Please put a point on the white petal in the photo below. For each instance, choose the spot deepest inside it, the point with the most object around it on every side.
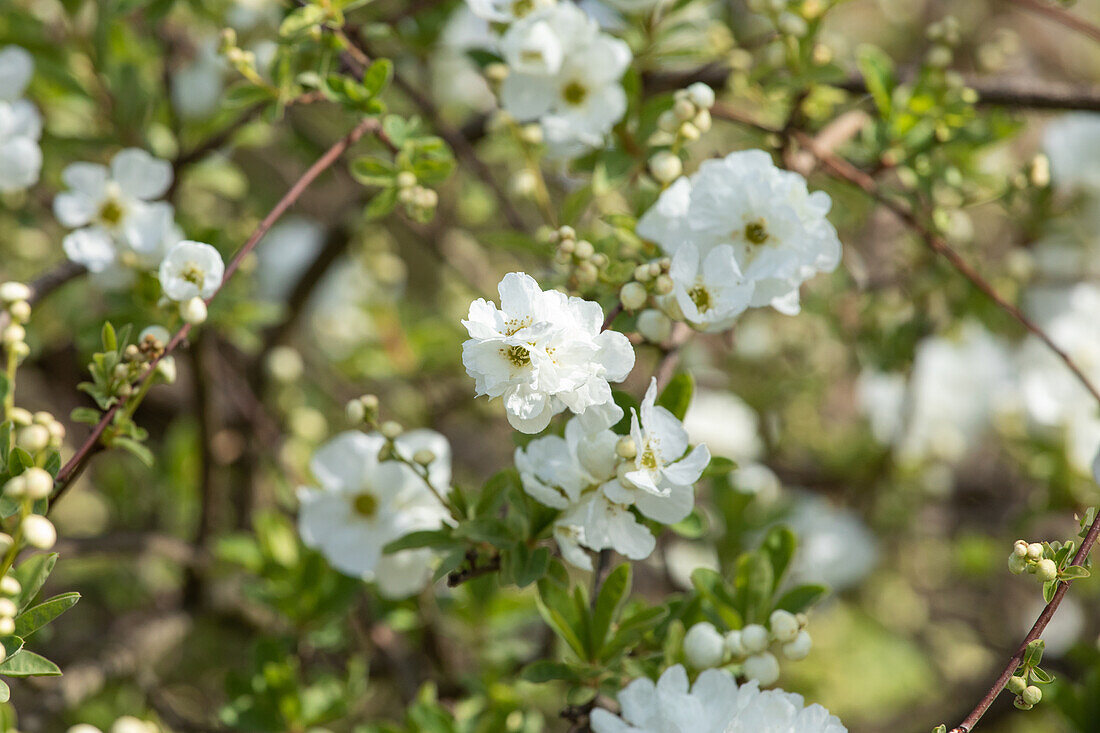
(140, 175)
(91, 247)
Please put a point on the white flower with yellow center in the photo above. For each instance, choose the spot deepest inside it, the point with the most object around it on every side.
(191, 270)
(362, 504)
(506, 11)
(564, 73)
(714, 704)
(710, 293)
(543, 352)
(20, 124)
(776, 227)
(115, 212)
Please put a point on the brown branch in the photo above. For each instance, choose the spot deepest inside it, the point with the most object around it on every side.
(1060, 15)
(89, 446)
(458, 577)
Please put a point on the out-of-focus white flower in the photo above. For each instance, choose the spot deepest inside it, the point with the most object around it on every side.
(191, 270)
(506, 11)
(543, 352)
(362, 504)
(284, 254)
(197, 87)
(726, 424)
(456, 79)
(683, 558)
(881, 396)
(776, 228)
(565, 73)
(20, 124)
(114, 211)
(16, 69)
(244, 15)
(834, 546)
(714, 704)
(1072, 142)
(1065, 627)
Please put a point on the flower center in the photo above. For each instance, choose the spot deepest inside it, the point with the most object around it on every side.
(111, 212)
(193, 274)
(365, 505)
(649, 458)
(521, 8)
(515, 325)
(518, 355)
(700, 296)
(756, 232)
(574, 93)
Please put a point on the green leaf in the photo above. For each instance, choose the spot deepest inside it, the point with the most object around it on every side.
(130, 445)
(799, 599)
(676, 397)
(19, 461)
(559, 612)
(11, 644)
(754, 585)
(493, 492)
(1041, 676)
(28, 664)
(546, 670)
(38, 616)
(779, 545)
(108, 337)
(1074, 572)
(484, 529)
(87, 415)
(1048, 590)
(437, 538)
(32, 575)
(529, 565)
(719, 466)
(371, 171)
(878, 73)
(5, 691)
(381, 204)
(615, 588)
(1034, 653)
(630, 631)
(377, 77)
(300, 20)
(711, 587)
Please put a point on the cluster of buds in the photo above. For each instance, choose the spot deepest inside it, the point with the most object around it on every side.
(241, 60)
(944, 36)
(579, 254)
(36, 432)
(9, 591)
(364, 411)
(1031, 557)
(705, 647)
(1024, 682)
(136, 359)
(15, 300)
(789, 20)
(1027, 696)
(419, 201)
(688, 119)
(650, 278)
(27, 490)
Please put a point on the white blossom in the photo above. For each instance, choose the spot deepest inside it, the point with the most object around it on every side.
(835, 547)
(714, 704)
(543, 352)
(191, 270)
(726, 424)
(197, 87)
(564, 72)
(710, 293)
(362, 504)
(506, 11)
(776, 228)
(20, 124)
(16, 69)
(1071, 143)
(456, 79)
(115, 212)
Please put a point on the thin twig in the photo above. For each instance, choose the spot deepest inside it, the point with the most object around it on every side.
(1060, 15)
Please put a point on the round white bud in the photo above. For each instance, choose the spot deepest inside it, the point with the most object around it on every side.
(285, 364)
(567, 232)
(1046, 570)
(7, 608)
(792, 25)
(405, 179)
(166, 368)
(754, 638)
(14, 334)
(587, 274)
(763, 667)
(702, 121)
(496, 72)
(654, 326)
(39, 482)
(20, 311)
(625, 448)
(784, 626)
(355, 411)
(16, 487)
(633, 295)
(1020, 548)
(10, 586)
(663, 285)
(799, 648)
(7, 626)
(21, 416)
(12, 291)
(684, 109)
(665, 166)
(701, 94)
(33, 438)
(667, 121)
(584, 249)
(1034, 551)
(39, 532)
(531, 134)
(704, 647)
(1032, 695)
(689, 132)
(193, 311)
(734, 645)
(391, 429)
(424, 457)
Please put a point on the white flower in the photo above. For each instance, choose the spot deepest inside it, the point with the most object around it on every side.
(16, 69)
(506, 11)
(116, 209)
(1071, 143)
(362, 504)
(714, 704)
(197, 87)
(20, 156)
(285, 253)
(835, 547)
(710, 294)
(661, 483)
(726, 424)
(775, 226)
(543, 352)
(456, 79)
(597, 523)
(191, 270)
(565, 73)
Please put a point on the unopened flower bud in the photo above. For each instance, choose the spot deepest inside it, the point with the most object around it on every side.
(667, 121)
(1020, 548)
(7, 608)
(33, 438)
(584, 249)
(7, 626)
(10, 586)
(702, 121)
(625, 448)
(784, 626)
(14, 334)
(664, 285)
(1046, 570)
(654, 326)
(531, 134)
(701, 94)
(689, 132)
(1016, 684)
(642, 273)
(20, 311)
(391, 429)
(587, 274)
(1032, 695)
(496, 72)
(599, 260)
(754, 638)
(524, 183)
(194, 310)
(11, 292)
(1040, 171)
(166, 369)
(704, 647)
(792, 25)
(1016, 564)
(633, 295)
(665, 166)
(355, 411)
(567, 232)
(734, 645)
(1021, 704)
(21, 416)
(15, 488)
(799, 648)
(1034, 551)
(763, 667)
(39, 532)
(424, 457)
(39, 483)
(684, 109)
(405, 179)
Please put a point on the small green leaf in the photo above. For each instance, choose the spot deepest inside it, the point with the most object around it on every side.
(32, 576)
(129, 445)
(28, 664)
(1074, 572)
(1034, 653)
(5, 691)
(799, 599)
(1048, 590)
(380, 205)
(371, 171)
(878, 73)
(779, 545)
(110, 340)
(546, 670)
(377, 77)
(36, 617)
(1041, 676)
(676, 397)
(615, 588)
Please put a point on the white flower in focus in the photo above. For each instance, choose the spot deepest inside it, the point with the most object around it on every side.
(16, 69)
(710, 293)
(506, 11)
(565, 73)
(362, 504)
(1072, 142)
(114, 211)
(776, 227)
(714, 704)
(191, 270)
(597, 523)
(543, 352)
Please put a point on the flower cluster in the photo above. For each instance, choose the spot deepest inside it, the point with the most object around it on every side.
(20, 124)
(705, 647)
(688, 119)
(368, 495)
(562, 71)
(190, 274)
(596, 477)
(714, 704)
(543, 352)
(114, 210)
(741, 233)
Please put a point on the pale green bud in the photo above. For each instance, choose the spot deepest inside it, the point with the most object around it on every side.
(1016, 684)
(633, 296)
(1046, 570)
(754, 638)
(625, 448)
(1032, 695)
